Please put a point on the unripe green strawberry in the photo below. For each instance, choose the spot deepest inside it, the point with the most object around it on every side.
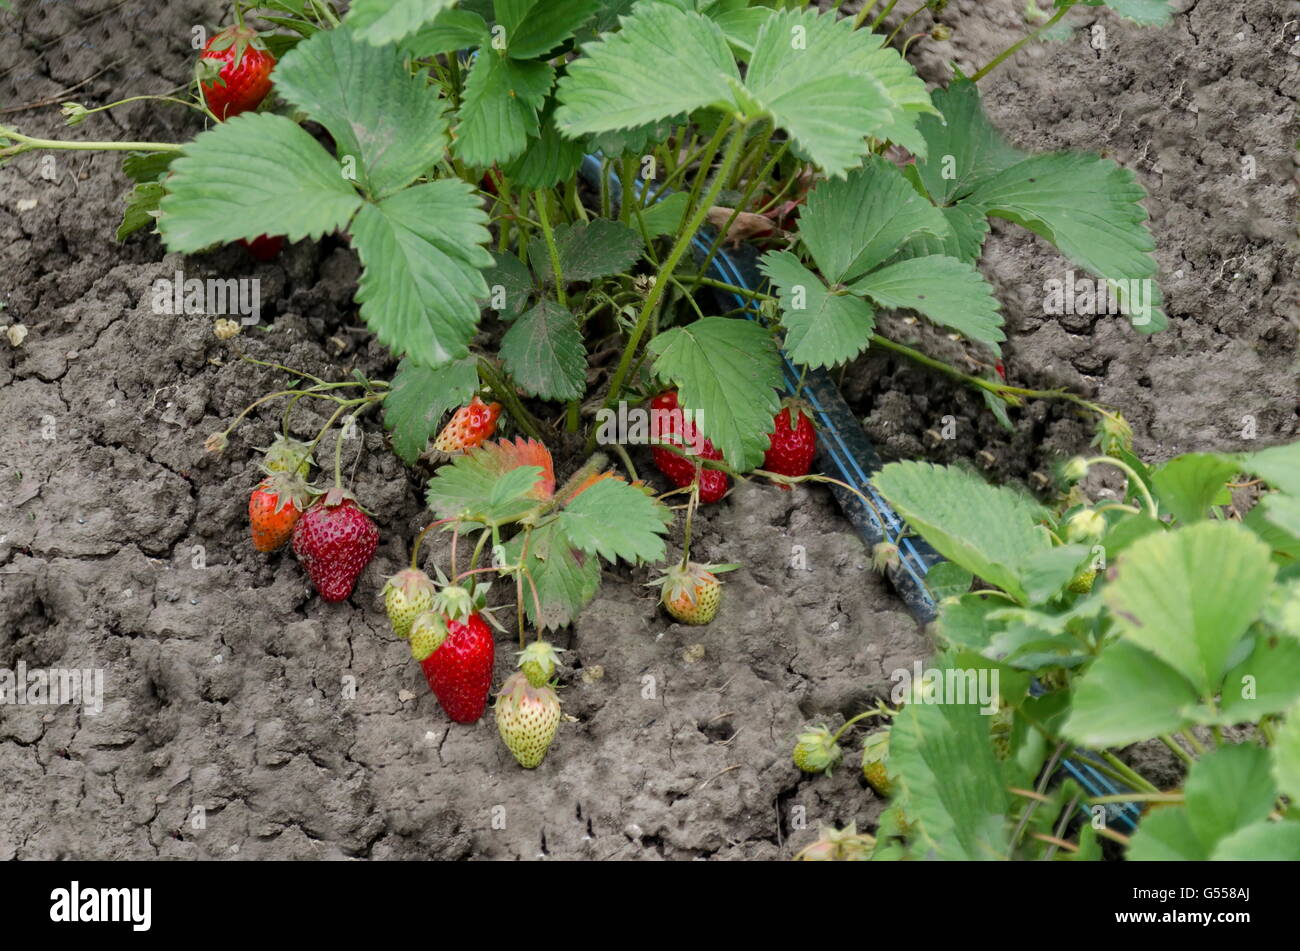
(1085, 525)
(875, 763)
(428, 631)
(288, 455)
(816, 751)
(407, 595)
(1082, 582)
(527, 718)
(537, 662)
(1075, 470)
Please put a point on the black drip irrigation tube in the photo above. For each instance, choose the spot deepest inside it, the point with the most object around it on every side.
(844, 452)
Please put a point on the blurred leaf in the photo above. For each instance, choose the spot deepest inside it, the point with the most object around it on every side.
(1188, 485)
(1189, 595)
(1128, 695)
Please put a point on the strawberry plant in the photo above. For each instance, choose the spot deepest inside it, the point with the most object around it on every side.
(1186, 633)
(444, 141)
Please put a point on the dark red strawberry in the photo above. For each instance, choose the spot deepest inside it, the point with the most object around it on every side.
(460, 670)
(680, 470)
(792, 443)
(235, 71)
(335, 541)
(264, 247)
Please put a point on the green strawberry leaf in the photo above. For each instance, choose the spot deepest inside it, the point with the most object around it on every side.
(141, 208)
(143, 167)
(991, 531)
(1127, 696)
(544, 352)
(565, 578)
(588, 250)
(1166, 835)
(811, 73)
(821, 329)
(963, 147)
(852, 225)
(510, 285)
(948, 291)
(1263, 841)
(421, 250)
(1228, 789)
(449, 32)
(663, 217)
(727, 369)
(949, 781)
(420, 397)
(385, 21)
(1189, 595)
(662, 62)
(1144, 12)
(1266, 682)
(1091, 209)
(498, 113)
(615, 520)
(1190, 484)
(252, 175)
(1279, 466)
(548, 160)
(1286, 755)
(489, 485)
(390, 121)
(535, 27)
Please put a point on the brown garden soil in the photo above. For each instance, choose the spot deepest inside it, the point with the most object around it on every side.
(226, 685)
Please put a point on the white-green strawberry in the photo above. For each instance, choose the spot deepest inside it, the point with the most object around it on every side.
(527, 718)
(407, 595)
(428, 631)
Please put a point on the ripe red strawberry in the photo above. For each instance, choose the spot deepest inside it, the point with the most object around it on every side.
(792, 443)
(274, 508)
(459, 671)
(680, 470)
(235, 71)
(264, 247)
(468, 427)
(335, 541)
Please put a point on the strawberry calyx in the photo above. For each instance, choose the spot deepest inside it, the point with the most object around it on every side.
(684, 581)
(289, 489)
(816, 751)
(410, 583)
(457, 603)
(538, 661)
(793, 407)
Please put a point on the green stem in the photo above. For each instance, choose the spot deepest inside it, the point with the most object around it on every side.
(1134, 480)
(1014, 47)
(864, 13)
(510, 399)
(680, 248)
(861, 716)
(1129, 776)
(1137, 797)
(1176, 749)
(27, 144)
(544, 218)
